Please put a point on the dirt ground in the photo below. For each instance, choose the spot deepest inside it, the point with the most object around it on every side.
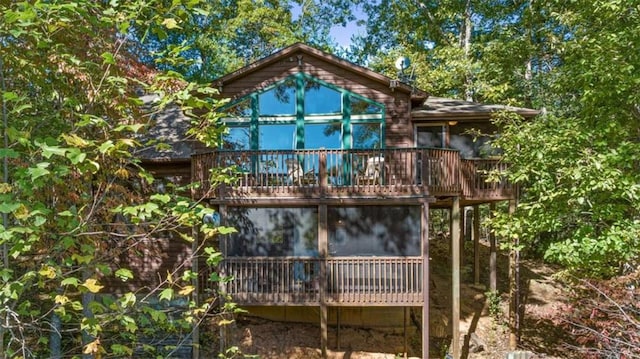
(541, 335)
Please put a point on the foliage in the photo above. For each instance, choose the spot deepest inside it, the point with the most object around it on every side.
(578, 164)
(77, 203)
(233, 33)
(494, 300)
(605, 317)
(489, 51)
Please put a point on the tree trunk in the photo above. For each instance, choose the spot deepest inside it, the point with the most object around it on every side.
(466, 45)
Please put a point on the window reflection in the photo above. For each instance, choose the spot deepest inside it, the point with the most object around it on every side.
(430, 136)
(471, 145)
(237, 139)
(277, 137)
(320, 99)
(325, 135)
(273, 232)
(374, 231)
(280, 100)
(281, 118)
(241, 109)
(366, 135)
(362, 107)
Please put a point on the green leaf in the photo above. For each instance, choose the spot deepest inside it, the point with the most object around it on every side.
(76, 156)
(226, 230)
(9, 96)
(163, 198)
(9, 153)
(70, 281)
(108, 58)
(124, 274)
(9, 207)
(120, 349)
(39, 171)
(106, 146)
(128, 300)
(166, 294)
(49, 151)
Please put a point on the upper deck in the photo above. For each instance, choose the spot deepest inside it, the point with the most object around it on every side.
(350, 175)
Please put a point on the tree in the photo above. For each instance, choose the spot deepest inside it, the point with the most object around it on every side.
(578, 164)
(75, 196)
(234, 33)
(486, 51)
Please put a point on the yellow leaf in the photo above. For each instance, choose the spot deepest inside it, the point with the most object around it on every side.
(61, 299)
(170, 23)
(92, 285)
(48, 272)
(21, 212)
(187, 290)
(92, 348)
(122, 173)
(75, 140)
(224, 322)
(169, 277)
(5, 187)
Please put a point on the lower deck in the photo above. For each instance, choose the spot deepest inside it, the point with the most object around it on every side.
(339, 281)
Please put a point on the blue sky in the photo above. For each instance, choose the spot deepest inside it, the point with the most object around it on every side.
(341, 34)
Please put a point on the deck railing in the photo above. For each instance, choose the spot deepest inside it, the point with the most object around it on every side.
(335, 281)
(326, 172)
(483, 179)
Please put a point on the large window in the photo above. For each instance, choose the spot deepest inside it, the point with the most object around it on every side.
(321, 100)
(302, 112)
(374, 231)
(323, 135)
(471, 145)
(366, 135)
(272, 232)
(432, 136)
(279, 100)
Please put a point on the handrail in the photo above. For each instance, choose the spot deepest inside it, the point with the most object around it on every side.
(347, 280)
(331, 172)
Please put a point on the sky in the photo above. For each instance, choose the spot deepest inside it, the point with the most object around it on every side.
(342, 34)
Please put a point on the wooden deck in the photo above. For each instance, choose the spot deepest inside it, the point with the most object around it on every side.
(388, 173)
(339, 281)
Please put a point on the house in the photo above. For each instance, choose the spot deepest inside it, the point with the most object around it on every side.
(337, 170)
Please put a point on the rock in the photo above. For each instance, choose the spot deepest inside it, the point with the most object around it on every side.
(476, 344)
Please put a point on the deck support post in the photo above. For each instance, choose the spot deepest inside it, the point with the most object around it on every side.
(514, 287)
(455, 277)
(338, 328)
(493, 257)
(222, 209)
(476, 244)
(323, 250)
(323, 330)
(404, 330)
(424, 234)
(463, 232)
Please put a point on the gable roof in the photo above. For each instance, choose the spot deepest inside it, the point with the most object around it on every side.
(167, 127)
(443, 108)
(301, 48)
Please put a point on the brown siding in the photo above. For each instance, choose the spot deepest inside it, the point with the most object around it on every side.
(150, 260)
